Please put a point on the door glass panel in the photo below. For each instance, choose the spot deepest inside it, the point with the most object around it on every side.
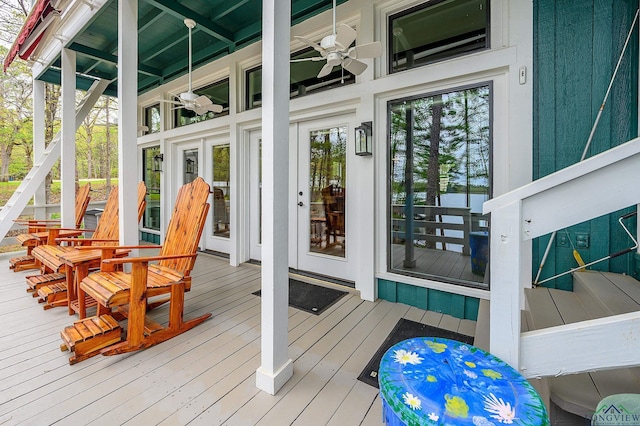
(327, 194)
(190, 165)
(151, 177)
(221, 191)
(440, 177)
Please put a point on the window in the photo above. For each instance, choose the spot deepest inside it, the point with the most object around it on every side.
(151, 178)
(221, 166)
(304, 79)
(218, 93)
(152, 118)
(437, 30)
(440, 167)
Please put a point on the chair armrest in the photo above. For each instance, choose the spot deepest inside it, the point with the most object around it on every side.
(37, 221)
(115, 247)
(122, 260)
(84, 240)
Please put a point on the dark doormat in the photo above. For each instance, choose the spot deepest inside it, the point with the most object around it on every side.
(311, 298)
(405, 329)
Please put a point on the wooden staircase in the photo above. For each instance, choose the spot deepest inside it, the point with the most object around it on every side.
(27, 188)
(596, 295)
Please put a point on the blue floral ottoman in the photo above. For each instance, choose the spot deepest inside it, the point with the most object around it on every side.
(434, 381)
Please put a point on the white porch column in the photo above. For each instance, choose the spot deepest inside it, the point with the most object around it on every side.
(276, 367)
(68, 135)
(507, 294)
(127, 119)
(39, 143)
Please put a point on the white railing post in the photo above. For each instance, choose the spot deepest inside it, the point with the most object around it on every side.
(506, 290)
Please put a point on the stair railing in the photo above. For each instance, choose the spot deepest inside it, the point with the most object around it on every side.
(599, 185)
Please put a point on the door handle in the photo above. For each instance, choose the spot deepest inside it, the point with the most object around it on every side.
(300, 203)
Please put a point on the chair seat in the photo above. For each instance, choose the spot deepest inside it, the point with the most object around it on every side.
(49, 256)
(112, 288)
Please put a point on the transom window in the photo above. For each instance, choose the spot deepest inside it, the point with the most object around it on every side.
(437, 30)
(304, 79)
(440, 168)
(218, 93)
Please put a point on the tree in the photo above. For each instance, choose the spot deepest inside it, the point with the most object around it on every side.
(15, 112)
(12, 15)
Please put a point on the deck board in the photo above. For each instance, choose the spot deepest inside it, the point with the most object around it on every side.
(204, 376)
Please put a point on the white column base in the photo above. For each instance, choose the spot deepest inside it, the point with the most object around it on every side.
(271, 383)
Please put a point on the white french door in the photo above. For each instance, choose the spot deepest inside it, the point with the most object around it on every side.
(323, 209)
(319, 212)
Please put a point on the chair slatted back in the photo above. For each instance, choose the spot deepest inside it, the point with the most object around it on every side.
(186, 225)
(142, 202)
(109, 224)
(82, 202)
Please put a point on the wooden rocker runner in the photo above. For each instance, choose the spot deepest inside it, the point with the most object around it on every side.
(38, 232)
(64, 266)
(129, 293)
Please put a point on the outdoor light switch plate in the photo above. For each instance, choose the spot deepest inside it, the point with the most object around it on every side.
(522, 75)
(582, 240)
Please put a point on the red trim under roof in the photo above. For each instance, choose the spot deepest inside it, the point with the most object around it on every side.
(39, 11)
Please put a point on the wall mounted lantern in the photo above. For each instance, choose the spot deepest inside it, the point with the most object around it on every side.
(363, 138)
(157, 162)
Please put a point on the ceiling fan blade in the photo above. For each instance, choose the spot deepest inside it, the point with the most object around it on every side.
(309, 43)
(215, 108)
(200, 110)
(167, 101)
(313, 58)
(369, 50)
(354, 66)
(325, 71)
(345, 36)
(202, 101)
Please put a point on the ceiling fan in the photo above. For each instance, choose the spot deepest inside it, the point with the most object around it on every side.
(188, 100)
(335, 50)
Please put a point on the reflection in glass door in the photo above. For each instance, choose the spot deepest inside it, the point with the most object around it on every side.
(327, 183)
(189, 165)
(440, 164)
(221, 190)
(152, 160)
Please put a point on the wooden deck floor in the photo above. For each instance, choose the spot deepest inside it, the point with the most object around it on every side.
(205, 376)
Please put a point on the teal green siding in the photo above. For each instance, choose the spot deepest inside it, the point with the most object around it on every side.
(576, 48)
(456, 305)
(149, 237)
